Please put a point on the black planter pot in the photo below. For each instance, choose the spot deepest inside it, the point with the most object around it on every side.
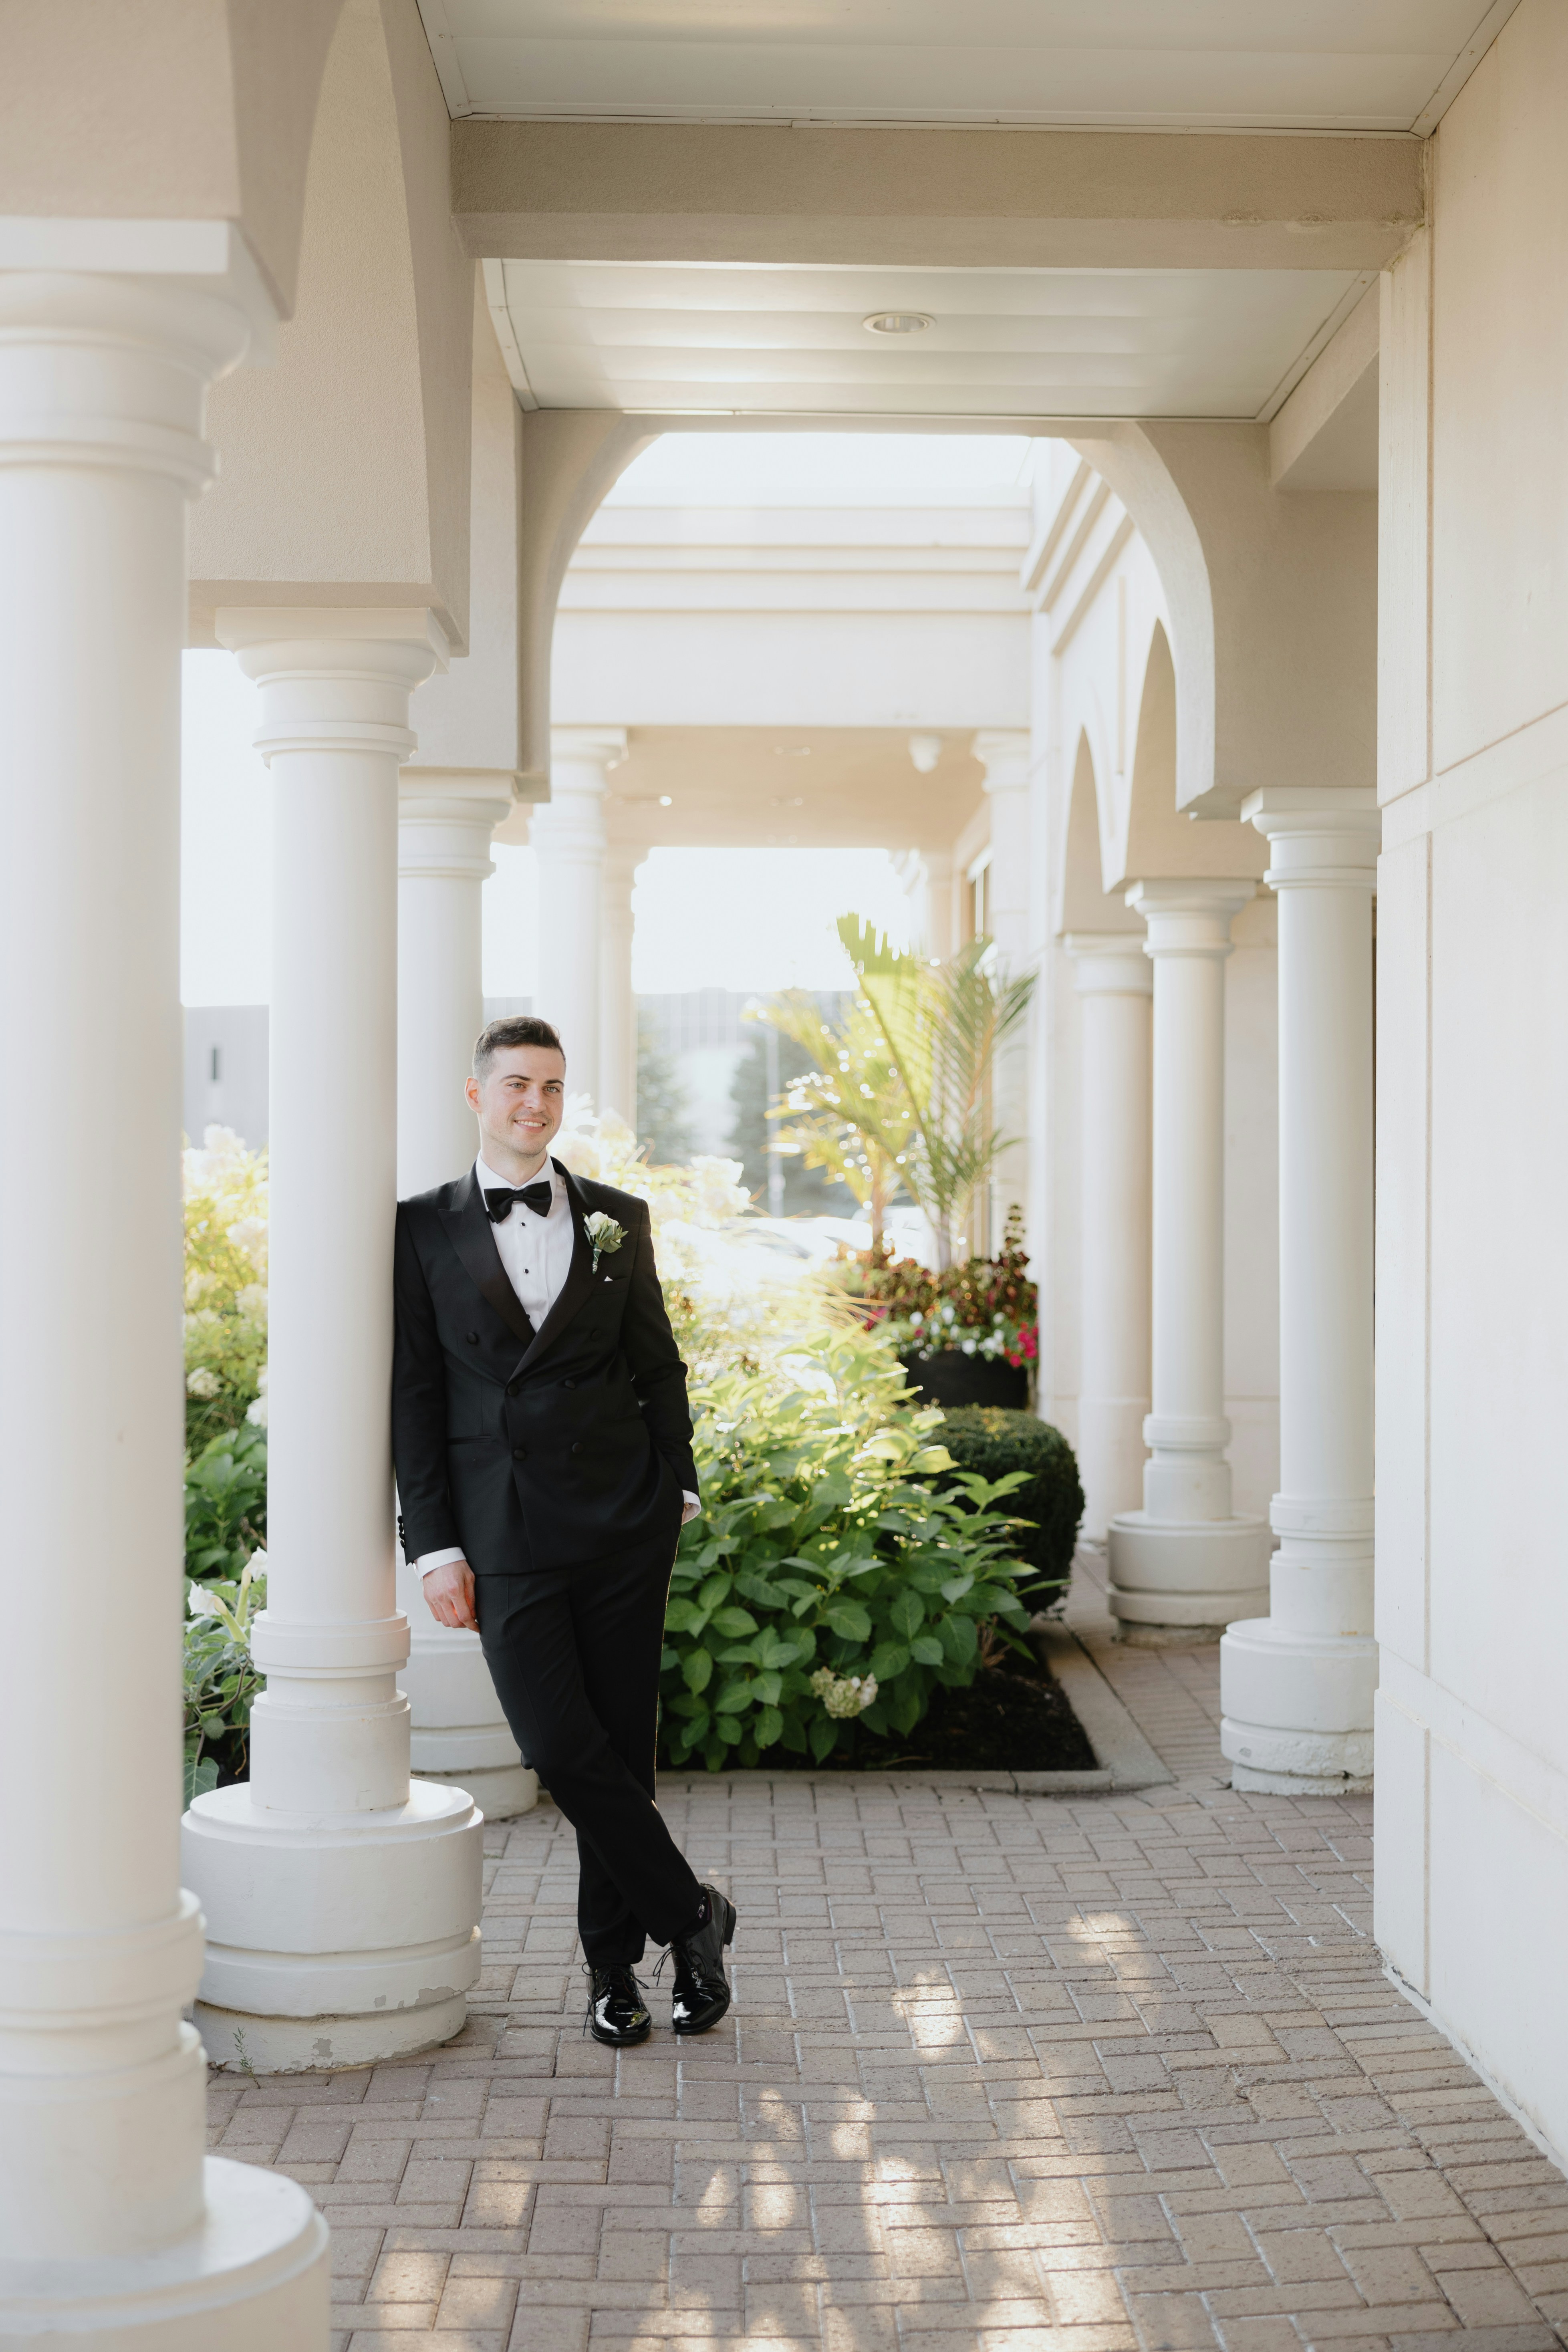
(951, 1379)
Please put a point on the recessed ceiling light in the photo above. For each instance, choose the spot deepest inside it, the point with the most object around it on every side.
(792, 750)
(897, 323)
(665, 800)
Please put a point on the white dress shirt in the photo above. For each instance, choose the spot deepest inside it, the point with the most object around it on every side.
(536, 1255)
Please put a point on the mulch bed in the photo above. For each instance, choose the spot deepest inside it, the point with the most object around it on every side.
(1014, 1717)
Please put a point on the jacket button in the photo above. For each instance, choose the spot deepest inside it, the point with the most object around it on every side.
(512, 1387)
(472, 1338)
(568, 1384)
(576, 1449)
(520, 1452)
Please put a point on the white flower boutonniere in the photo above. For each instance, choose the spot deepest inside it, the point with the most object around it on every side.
(605, 1235)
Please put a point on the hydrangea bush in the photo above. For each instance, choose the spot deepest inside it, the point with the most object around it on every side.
(828, 1583)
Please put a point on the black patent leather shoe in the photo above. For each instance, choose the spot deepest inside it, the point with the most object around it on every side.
(700, 1993)
(617, 2011)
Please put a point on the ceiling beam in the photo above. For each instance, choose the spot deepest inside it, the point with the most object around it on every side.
(1050, 199)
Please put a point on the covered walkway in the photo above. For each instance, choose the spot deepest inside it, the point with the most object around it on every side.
(1005, 2071)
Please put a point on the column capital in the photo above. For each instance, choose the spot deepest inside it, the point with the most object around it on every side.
(1190, 914)
(587, 747)
(1003, 753)
(108, 367)
(1109, 963)
(444, 820)
(334, 678)
(1317, 840)
(457, 795)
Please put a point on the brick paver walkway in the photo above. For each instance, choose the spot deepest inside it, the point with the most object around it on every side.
(1106, 2073)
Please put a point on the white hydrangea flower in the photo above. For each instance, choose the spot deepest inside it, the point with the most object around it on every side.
(844, 1694)
(256, 1413)
(202, 1382)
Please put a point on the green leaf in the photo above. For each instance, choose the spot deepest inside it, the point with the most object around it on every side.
(683, 1617)
(769, 1724)
(714, 1590)
(926, 1650)
(734, 1621)
(848, 1619)
(698, 1670)
(734, 1698)
(908, 1613)
(959, 1639)
(768, 1689)
(889, 1660)
(822, 1735)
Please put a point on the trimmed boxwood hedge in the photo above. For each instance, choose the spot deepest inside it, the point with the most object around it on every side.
(995, 1439)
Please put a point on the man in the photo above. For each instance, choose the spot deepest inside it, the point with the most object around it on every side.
(544, 1469)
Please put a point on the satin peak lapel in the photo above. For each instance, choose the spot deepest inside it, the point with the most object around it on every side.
(472, 1235)
(579, 1281)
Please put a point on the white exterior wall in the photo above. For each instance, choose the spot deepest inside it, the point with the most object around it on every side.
(1472, 1603)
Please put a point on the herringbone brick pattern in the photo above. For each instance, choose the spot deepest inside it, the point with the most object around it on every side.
(1006, 2074)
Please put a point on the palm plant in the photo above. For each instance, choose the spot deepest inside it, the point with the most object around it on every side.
(941, 1026)
(850, 1114)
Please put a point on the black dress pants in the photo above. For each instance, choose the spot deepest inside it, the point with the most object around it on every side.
(574, 1656)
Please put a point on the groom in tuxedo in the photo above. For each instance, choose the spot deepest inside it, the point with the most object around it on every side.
(544, 1469)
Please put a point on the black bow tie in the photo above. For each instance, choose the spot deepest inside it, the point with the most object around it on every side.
(537, 1197)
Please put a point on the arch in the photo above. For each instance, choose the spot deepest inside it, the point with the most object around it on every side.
(1160, 840)
(1141, 480)
(347, 465)
(1084, 903)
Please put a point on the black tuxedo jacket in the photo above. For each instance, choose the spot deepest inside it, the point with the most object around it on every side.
(533, 1449)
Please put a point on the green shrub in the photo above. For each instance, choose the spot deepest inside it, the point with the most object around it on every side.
(220, 1682)
(829, 1578)
(225, 1504)
(996, 1442)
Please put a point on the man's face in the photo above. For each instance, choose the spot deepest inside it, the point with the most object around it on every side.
(519, 1100)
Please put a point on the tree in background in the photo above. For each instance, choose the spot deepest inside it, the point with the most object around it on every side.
(664, 1111)
(848, 1113)
(807, 1191)
(940, 1024)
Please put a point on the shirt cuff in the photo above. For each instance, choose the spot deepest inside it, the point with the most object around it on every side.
(429, 1560)
(687, 1497)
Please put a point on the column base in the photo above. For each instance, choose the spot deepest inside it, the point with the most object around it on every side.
(244, 2041)
(1296, 1709)
(255, 2276)
(1196, 1575)
(334, 1939)
(461, 1735)
(501, 1792)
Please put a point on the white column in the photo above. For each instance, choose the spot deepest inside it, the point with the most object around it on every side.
(112, 2229)
(1296, 1686)
(927, 878)
(1003, 753)
(1186, 1561)
(342, 1898)
(1115, 984)
(617, 1003)
(567, 832)
(444, 820)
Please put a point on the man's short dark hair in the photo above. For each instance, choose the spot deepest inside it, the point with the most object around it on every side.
(517, 1029)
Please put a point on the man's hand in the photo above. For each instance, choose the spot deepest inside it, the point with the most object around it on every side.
(449, 1592)
(690, 1508)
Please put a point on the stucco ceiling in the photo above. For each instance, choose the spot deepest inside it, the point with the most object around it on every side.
(814, 787)
(1047, 343)
(1338, 65)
